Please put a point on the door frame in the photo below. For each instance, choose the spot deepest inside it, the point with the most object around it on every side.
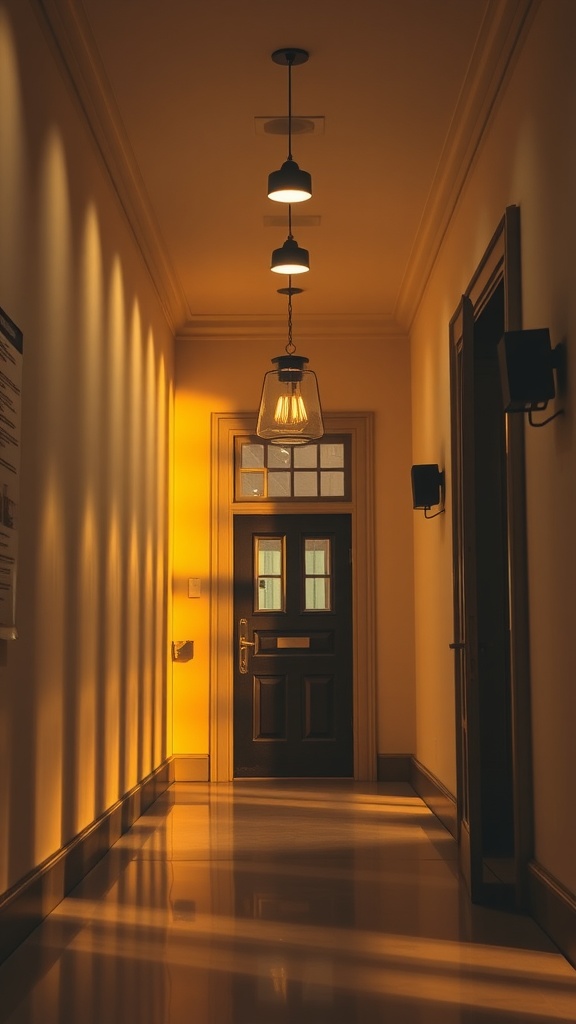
(501, 264)
(224, 429)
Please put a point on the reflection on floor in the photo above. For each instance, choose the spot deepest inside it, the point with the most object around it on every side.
(253, 903)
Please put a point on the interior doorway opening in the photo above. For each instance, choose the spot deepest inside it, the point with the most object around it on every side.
(490, 595)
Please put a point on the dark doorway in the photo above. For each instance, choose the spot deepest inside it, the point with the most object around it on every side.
(497, 802)
(293, 695)
(494, 808)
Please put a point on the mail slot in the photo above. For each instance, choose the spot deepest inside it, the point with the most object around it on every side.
(269, 642)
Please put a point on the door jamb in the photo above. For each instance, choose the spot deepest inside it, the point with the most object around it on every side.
(224, 428)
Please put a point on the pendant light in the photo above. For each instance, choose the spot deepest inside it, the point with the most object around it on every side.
(290, 258)
(290, 411)
(289, 184)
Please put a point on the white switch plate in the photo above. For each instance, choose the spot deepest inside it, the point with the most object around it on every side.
(194, 586)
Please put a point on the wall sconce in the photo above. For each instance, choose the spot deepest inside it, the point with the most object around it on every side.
(527, 362)
(427, 488)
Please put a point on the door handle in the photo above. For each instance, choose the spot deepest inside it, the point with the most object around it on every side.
(243, 645)
(456, 646)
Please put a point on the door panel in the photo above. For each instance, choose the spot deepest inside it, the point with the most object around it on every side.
(293, 694)
(481, 606)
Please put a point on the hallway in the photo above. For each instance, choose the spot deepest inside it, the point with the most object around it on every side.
(253, 903)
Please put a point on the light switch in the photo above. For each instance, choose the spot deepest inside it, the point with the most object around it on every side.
(194, 586)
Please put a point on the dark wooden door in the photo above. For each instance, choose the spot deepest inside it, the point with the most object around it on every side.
(293, 697)
(465, 642)
(481, 606)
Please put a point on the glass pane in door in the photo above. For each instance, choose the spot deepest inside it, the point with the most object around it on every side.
(269, 573)
(317, 574)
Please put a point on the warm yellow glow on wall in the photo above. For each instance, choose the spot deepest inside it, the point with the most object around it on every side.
(87, 667)
(132, 709)
(379, 383)
(92, 367)
(114, 348)
(191, 617)
(161, 558)
(169, 561)
(12, 148)
(84, 693)
(12, 174)
(116, 356)
(55, 226)
(53, 586)
(112, 655)
(47, 746)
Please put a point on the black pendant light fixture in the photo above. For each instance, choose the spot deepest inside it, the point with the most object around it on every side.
(290, 258)
(289, 184)
(290, 412)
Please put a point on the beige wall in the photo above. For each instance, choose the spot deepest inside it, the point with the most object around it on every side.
(227, 377)
(528, 158)
(83, 689)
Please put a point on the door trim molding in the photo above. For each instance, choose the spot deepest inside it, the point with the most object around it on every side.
(224, 428)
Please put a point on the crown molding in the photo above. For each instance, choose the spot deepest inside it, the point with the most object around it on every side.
(499, 42)
(68, 31)
(309, 328)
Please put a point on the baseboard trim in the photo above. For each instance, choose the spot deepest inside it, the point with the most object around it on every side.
(551, 905)
(405, 768)
(25, 905)
(554, 909)
(435, 795)
(191, 767)
(394, 768)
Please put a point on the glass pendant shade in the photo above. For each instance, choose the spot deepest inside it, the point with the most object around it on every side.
(289, 184)
(290, 411)
(290, 258)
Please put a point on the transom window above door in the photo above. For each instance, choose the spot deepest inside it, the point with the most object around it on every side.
(318, 471)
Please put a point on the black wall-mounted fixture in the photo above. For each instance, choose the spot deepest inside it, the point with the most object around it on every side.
(527, 362)
(427, 487)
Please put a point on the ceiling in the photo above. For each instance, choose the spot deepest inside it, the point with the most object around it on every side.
(398, 92)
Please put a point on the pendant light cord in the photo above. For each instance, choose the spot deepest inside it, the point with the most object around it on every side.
(290, 62)
(290, 347)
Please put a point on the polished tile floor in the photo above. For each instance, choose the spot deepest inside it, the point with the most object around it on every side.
(299, 902)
